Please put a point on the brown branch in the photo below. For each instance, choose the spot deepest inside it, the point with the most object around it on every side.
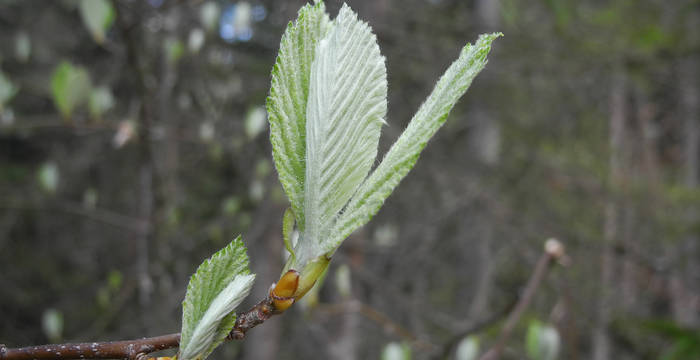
(476, 327)
(134, 349)
(127, 349)
(554, 251)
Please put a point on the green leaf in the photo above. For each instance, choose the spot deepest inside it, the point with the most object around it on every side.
(396, 351)
(405, 151)
(345, 112)
(468, 349)
(542, 341)
(98, 16)
(286, 105)
(52, 324)
(215, 290)
(287, 229)
(70, 87)
(100, 101)
(49, 176)
(7, 90)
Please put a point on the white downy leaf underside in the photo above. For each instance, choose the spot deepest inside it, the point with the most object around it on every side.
(216, 288)
(345, 112)
(286, 105)
(206, 331)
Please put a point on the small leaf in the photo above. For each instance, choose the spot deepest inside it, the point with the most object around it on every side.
(195, 40)
(396, 351)
(343, 281)
(215, 290)
(255, 122)
(70, 87)
(52, 324)
(98, 16)
(100, 101)
(7, 90)
(287, 230)
(209, 15)
(542, 341)
(23, 46)
(174, 49)
(48, 177)
(468, 349)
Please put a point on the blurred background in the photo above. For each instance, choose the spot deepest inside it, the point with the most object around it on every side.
(134, 144)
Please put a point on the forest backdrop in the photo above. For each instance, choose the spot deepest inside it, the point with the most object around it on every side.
(134, 144)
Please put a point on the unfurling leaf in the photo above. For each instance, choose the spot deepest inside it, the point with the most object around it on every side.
(346, 108)
(467, 349)
(215, 290)
(542, 341)
(287, 229)
(286, 105)
(405, 151)
(98, 16)
(7, 90)
(70, 87)
(326, 107)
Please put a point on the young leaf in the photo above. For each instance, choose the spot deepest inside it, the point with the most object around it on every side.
(405, 151)
(98, 16)
(7, 90)
(286, 105)
(215, 290)
(70, 87)
(287, 229)
(345, 112)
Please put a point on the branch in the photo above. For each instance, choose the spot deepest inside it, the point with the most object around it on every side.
(553, 250)
(127, 349)
(454, 340)
(134, 349)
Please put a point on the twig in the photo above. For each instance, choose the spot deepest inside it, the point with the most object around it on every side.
(554, 250)
(450, 344)
(127, 349)
(133, 349)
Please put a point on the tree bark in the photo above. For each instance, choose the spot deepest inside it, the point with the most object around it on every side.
(602, 347)
(685, 290)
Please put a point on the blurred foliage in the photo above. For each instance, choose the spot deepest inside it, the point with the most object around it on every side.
(141, 153)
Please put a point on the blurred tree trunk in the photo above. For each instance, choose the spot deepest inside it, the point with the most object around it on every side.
(618, 115)
(262, 343)
(684, 280)
(487, 139)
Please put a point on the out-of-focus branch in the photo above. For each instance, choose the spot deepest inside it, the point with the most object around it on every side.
(553, 251)
(450, 344)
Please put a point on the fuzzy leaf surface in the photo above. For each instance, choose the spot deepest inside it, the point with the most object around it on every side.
(213, 293)
(345, 112)
(286, 105)
(405, 151)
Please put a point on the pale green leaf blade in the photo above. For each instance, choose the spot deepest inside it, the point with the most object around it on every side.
(287, 229)
(219, 285)
(286, 105)
(7, 90)
(98, 16)
(405, 151)
(70, 87)
(345, 112)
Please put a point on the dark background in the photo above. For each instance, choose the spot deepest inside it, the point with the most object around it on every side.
(584, 126)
